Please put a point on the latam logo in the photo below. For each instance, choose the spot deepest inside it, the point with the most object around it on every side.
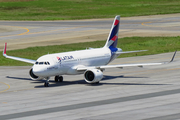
(59, 59)
(65, 58)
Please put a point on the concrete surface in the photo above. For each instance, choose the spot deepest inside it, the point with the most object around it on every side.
(150, 93)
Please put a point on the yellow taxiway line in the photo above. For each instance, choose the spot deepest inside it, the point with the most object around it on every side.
(5, 89)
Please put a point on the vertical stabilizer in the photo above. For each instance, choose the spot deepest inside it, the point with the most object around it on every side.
(113, 35)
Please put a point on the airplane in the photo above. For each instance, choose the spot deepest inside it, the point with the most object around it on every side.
(90, 62)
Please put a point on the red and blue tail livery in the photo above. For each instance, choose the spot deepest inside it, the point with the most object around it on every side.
(113, 35)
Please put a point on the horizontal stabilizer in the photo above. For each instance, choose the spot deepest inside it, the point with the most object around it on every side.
(130, 51)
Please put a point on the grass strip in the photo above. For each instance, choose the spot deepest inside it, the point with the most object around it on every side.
(154, 45)
(83, 9)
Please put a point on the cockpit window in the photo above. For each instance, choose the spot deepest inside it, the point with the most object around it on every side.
(42, 63)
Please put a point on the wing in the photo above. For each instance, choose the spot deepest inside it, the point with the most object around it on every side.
(124, 65)
(17, 58)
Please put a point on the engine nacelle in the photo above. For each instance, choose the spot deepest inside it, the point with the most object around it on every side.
(93, 75)
(33, 76)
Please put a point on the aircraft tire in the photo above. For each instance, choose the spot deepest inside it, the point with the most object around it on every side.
(46, 84)
(60, 78)
(56, 78)
(96, 82)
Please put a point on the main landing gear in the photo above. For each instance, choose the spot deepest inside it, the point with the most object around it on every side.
(58, 78)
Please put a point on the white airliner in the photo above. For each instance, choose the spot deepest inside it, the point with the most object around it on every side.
(90, 62)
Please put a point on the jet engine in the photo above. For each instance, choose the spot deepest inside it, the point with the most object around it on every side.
(33, 76)
(93, 75)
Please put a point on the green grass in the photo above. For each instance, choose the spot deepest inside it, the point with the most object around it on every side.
(83, 9)
(154, 45)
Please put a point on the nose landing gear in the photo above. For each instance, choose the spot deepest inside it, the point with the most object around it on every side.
(56, 78)
(46, 84)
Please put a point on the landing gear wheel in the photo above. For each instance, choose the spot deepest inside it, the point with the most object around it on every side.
(58, 78)
(96, 82)
(46, 84)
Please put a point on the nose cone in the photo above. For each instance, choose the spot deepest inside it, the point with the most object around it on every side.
(39, 70)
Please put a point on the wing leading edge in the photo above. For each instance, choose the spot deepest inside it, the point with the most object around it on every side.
(125, 65)
(17, 58)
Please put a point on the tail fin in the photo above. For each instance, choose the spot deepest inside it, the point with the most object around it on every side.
(113, 35)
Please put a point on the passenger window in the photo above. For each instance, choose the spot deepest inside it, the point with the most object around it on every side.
(42, 63)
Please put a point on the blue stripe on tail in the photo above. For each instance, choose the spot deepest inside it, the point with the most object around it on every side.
(113, 38)
(113, 35)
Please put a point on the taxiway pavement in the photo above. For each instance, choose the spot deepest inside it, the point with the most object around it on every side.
(149, 93)
(152, 92)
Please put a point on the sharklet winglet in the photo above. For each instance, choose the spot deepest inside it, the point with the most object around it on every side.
(4, 51)
(173, 56)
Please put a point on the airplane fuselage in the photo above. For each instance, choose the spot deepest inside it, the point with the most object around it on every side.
(67, 62)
